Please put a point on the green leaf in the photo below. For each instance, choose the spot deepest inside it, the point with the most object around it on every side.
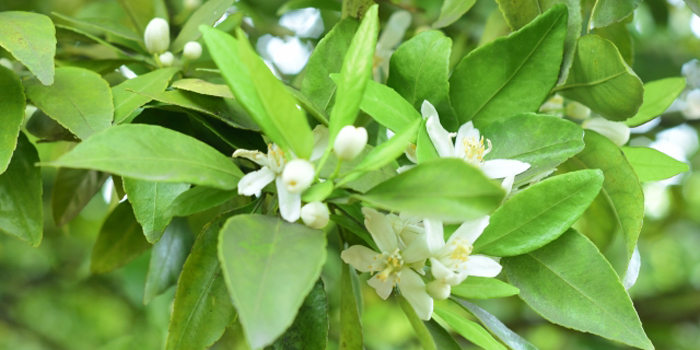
(600, 79)
(694, 5)
(367, 180)
(541, 141)
(318, 192)
(120, 240)
(199, 198)
(442, 338)
(388, 151)
(658, 96)
(556, 281)
(104, 25)
(350, 325)
(140, 12)
(317, 84)
(167, 257)
(429, 333)
(270, 249)
(425, 150)
(31, 39)
(652, 165)
(151, 202)
(153, 153)
(203, 87)
(78, 99)
(310, 328)
(128, 95)
(483, 288)
(446, 189)
(291, 5)
(206, 14)
(539, 214)
(485, 87)
(22, 212)
(72, 191)
(354, 73)
(387, 107)
(451, 11)
(607, 12)
(419, 71)
(99, 66)
(470, 330)
(308, 105)
(202, 309)
(621, 37)
(12, 106)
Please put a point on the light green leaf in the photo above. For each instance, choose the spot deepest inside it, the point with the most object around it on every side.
(104, 25)
(446, 189)
(429, 333)
(128, 95)
(270, 248)
(425, 150)
(470, 330)
(387, 107)
(607, 12)
(388, 151)
(199, 198)
(694, 5)
(485, 87)
(309, 105)
(206, 14)
(600, 79)
(483, 288)
(310, 328)
(151, 202)
(367, 180)
(350, 325)
(12, 106)
(658, 96)
(167, 257)
(539, 214)
(153, 153)
(556, 282)
(140, 12)
(22, 212)
(120, 240)
(203, 87)
(78, 99)
(31, 39)
(72, 191)
(652, 165)
(621, 37)
(451, 11)
(291, 5)
(318, 192)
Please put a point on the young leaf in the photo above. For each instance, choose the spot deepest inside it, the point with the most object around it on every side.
(151, 202)
(203, 87)
(388, 151)
(652, 165)
(208, 13)
(12, 106)
(539, 214)
(425, 150)
(278, 256)
(556, 281)
(31, 39)
(483, 288)
(607, 12)
(199, 198)
(485, 87)
(387, 107)
(153, 153)
(600, 79)
(103, 25)
(72, 191)
(128, 95)
(369, 179)
(78, 99)
(446, 189)
(310, 328)
(167, 257)
(658, 95)
(451, 11)
(22, 213)
(350, 325)
(470, 330)
(120, 241)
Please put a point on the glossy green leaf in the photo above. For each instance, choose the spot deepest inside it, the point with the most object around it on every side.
(388, 151)
(442, 338)
(151, 202)
(318, 192)
(658, 96)
(78, 99)
(539, 214)
(203, 87)
(387, 107)
(419, 71)
(367, 180)
(446, 189)
(167, 257)
(600, 79)
(310, 328)
(470, 330)
(324, 60)
(420, 329)
(140, 12)
(208, 13)
(153, 153)
(270, 249)
(128, 95)
(483, 288)
(350, 325)
(607, 12)
(119, 242)
(556, 282)
(12, 106)
(621, 37)
(486, 88)
(72, 191)
(451, 11)
(199, 198)
(31, 39)
(21, 208)
(103, 25)
(652, 165)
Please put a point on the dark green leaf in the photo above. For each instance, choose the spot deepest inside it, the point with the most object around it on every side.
(167, 258)
(151, 202)
(12, 106)
(451, 11)
(72, 191)
(658, 95)
(206, 14)
(310, 328)
(483, 288)
(31, 39)
(607, 12)
(652, 165)
(120, 240)
(199, 198)
(129, 95)
(470, 330)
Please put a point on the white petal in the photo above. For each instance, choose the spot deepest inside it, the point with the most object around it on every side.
(363, 259)
(470, 230)
(417, 251)
(617, 132)
(253, 182)
(444, 273)
(413, 289)
(507, 185)
(255, 156)
(383, 288)
(435, 235)
(500, 168)
(404, 168)
(394, 29)
(380, 227)
(481, 266)
(427, 110)
(440, 137)
(290, 203)
(320, 142)
(468, 130)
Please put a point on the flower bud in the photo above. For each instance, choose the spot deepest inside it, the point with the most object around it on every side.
(298, 175)
(439, 290)
(192, 4)
(192, 51)
(575, 110)
(6, 63)
(350, 142)
(315, 215)
(157, 36)
(167, 59)
(617, 132)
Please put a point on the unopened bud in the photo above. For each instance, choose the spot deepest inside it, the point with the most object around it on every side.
(575, 110)
(192, 51)
(167, 59)
(192, 4)
(157, 36)
(350, 142)
(6, 63)
(315, 215)
(439, 290)
(617, 132)
(298, 175)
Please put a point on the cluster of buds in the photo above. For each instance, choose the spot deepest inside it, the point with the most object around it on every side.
(157, 40)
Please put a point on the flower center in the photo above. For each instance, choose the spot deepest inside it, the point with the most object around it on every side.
(275, 156)
(460, 251)
(394, 262)
(475, 150)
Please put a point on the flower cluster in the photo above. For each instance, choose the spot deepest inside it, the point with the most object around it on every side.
(157, 40)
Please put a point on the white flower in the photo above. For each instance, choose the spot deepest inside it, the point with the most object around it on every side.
(452, 262)
(394, 263)
(315, 215)
(554, 105)
(157, 36)
(167, 59)
(617, 132)
(350, 142)
(575, 110)
(391, 36)
(192, 50)
(298, 175)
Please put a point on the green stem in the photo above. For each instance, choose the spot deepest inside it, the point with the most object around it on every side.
(157, 59)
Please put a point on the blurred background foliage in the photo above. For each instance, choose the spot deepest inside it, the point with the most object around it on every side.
(50, 300)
